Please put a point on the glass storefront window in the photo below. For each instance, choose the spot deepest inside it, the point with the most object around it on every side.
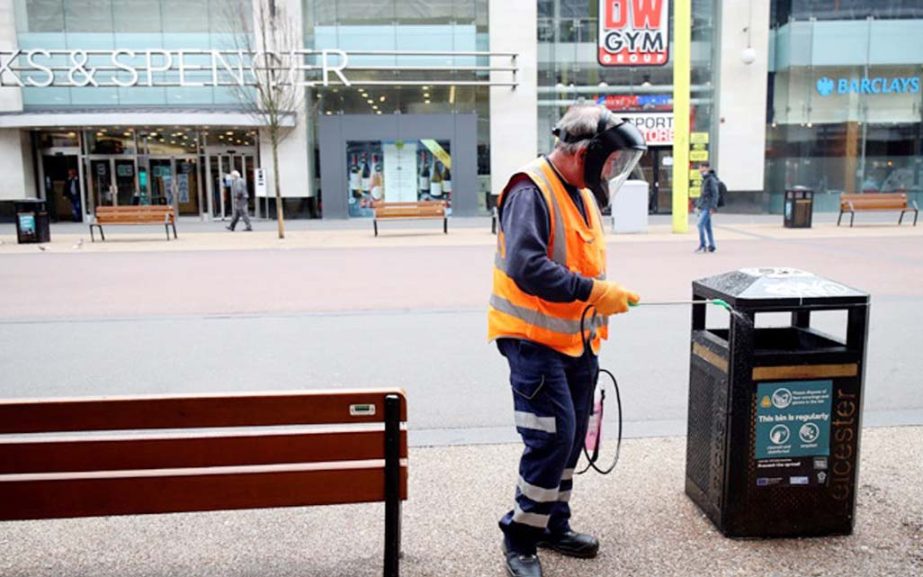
(88, 16)
(841, 118)
(231, 137)
(397, 171)
(569, 73)
(784, 10)
(111, 141)
(58, 139)
(168, 141)
(41, 16)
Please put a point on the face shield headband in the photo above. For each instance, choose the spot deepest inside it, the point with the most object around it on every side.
(611, 155)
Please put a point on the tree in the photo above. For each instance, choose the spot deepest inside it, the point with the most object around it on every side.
(272, 94)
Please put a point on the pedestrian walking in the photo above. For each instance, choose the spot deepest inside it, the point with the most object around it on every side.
(239, 197)
(706, 205)
(549, 275)
(72, 192)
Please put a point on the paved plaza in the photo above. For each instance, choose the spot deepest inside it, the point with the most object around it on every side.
(333, 307)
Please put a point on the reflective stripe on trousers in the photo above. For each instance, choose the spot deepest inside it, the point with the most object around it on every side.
(548, 388)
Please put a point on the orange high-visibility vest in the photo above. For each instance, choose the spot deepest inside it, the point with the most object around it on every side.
(572, 243)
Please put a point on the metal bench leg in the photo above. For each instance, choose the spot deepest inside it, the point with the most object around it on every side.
(392, 486)
(901, 219)
(174, 230)
(166, 229)
(852, 217)
(839, 218)
(916, 213)
(102, 235)
(445, 226)
(92, 238)
(375, 225)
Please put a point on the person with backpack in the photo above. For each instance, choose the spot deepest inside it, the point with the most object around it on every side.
(707, 203)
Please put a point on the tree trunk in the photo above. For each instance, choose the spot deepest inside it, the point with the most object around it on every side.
(280, 219)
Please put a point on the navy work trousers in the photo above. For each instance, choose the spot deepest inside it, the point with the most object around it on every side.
(552, 400)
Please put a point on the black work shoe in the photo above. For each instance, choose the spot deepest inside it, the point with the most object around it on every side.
(522, 564)
(571, 544)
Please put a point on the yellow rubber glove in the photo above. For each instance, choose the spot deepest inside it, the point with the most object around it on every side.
(611, 298)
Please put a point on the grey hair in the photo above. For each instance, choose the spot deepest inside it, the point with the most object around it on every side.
(581, 120)
(235, 174)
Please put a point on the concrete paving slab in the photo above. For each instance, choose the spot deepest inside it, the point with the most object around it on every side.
(74, 238)
(646, 525)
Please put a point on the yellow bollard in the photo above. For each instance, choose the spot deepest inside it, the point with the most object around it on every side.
(682, 40)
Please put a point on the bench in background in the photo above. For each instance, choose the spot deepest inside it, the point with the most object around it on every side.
(135, 214)
(876, 201)
(428, 209)
(77, 472)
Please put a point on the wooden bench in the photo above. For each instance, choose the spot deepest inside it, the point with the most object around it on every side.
(78, 472)
(876, 201)
(428, 209)
(139, 214)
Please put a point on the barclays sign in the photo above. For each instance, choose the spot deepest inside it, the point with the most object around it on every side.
(827, 86)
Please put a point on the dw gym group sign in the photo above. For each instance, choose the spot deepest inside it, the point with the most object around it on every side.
(634, 32)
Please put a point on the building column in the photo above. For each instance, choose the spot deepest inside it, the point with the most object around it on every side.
(16, 175)
(741, 95)
(513, 112)
(295, 152)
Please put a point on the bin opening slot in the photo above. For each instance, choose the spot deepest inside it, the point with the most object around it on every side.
(784, 331)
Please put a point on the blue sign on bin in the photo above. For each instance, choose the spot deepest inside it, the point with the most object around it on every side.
(793, 419)
(27, 223)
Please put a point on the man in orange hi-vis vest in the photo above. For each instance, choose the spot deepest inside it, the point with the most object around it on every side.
(549, 276)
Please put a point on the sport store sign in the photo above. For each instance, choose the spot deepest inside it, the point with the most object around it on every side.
(656, 128)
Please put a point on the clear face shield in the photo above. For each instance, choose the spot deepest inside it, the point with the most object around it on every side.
(610, 157)
(617, 168)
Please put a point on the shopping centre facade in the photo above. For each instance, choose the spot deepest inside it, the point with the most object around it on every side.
(138, 101)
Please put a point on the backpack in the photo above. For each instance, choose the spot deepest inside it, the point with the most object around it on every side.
(722, 192)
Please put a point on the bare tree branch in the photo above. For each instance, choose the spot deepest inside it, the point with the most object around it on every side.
(269, 41)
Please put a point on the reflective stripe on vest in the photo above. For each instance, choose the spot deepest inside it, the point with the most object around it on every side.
(575, 243)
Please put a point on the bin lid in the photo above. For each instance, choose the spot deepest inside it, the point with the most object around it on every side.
(775, 288)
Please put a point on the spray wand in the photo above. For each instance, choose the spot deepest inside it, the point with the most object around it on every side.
(717, 302)
(594, 429)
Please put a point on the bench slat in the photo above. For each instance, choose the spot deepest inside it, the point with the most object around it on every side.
(170, 491)
(78, 454)
(873, 201)
(406, 210)
(134, 214)
(201, 411)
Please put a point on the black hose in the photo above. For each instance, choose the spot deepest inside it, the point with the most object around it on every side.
(588, 348)
(591, 460)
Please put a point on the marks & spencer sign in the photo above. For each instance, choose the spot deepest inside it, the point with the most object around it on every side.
(827, 86)
(634, 32)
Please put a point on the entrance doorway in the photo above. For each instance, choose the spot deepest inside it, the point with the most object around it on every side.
(657, 166)
(219, 170)
(60, 174)
(174, 181)
(114, 181)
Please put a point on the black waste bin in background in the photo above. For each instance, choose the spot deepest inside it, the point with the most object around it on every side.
(775, 413)
(32, 223)
(799, 207)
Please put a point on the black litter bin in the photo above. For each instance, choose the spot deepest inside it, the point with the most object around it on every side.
(799, 207)
(775, 413)
(32, 224)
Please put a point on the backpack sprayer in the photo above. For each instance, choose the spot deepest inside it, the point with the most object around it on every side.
(594, 433)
